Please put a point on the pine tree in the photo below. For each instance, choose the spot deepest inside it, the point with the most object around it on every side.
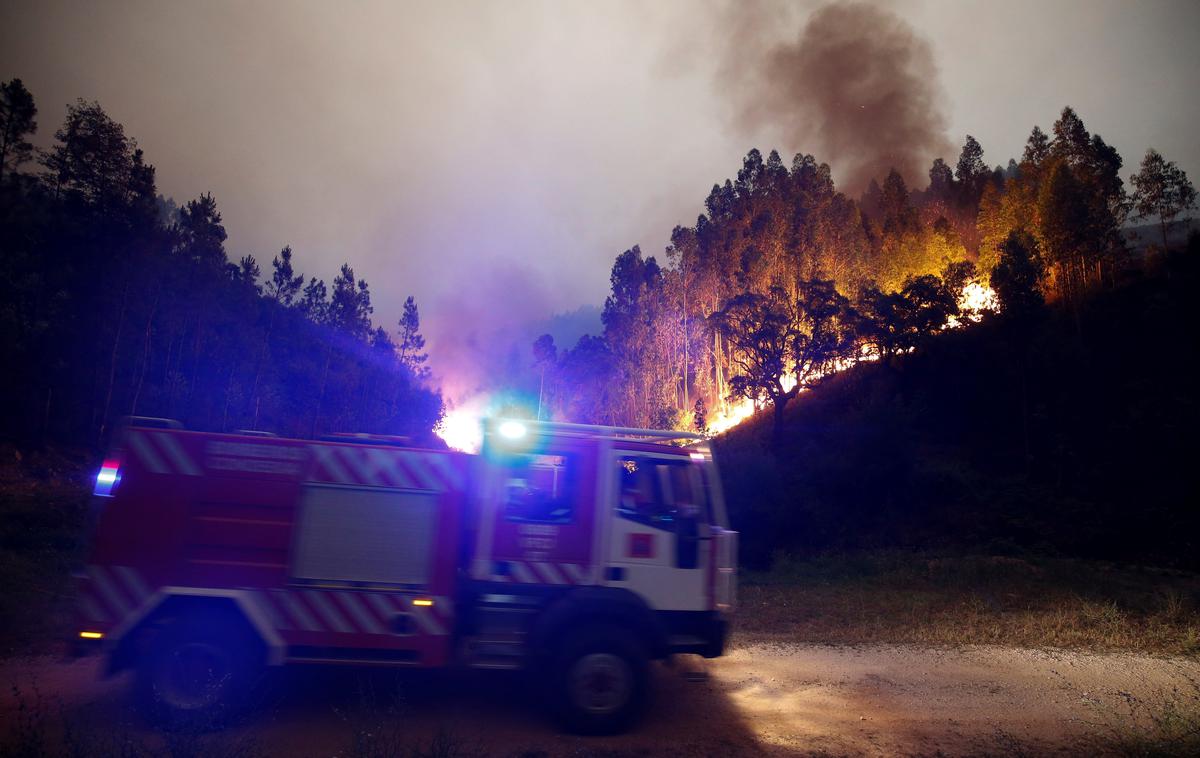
(411, 348)
(17, 114)
(285, 284)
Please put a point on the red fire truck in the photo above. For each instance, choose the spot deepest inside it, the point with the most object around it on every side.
(577, 552)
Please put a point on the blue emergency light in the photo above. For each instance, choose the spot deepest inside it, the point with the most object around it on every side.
(107, 478)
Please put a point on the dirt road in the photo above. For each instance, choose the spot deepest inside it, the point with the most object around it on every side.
(764, 698)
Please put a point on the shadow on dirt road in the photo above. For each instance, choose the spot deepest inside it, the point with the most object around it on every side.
(766, 698)
(345, 711)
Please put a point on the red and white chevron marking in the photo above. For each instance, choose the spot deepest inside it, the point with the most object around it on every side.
(347, 612)
(376, 467)
(161, 453)
(542, 572)
(112, 593)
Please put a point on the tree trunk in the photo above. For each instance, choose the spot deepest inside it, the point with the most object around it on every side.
(321, 395)
(718, 374)
(228, 392)
(112, 362)
(686, 401)
(777, 426)
(541, 388)
(137, 392)
(262, 354)
(196, 345)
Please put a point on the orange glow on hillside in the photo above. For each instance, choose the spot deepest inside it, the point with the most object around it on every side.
(976, 299)
(461, 428)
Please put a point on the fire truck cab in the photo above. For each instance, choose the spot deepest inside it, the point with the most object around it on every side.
(579, 553)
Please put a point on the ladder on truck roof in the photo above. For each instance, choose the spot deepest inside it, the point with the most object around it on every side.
(600, 432)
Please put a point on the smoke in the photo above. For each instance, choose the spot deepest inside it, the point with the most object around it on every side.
(476, 334)
(480, 338)
(858, 89)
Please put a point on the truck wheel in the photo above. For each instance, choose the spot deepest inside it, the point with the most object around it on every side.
(198, 674)
(599, 681)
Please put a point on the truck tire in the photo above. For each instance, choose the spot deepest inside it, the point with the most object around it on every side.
(199, 672)
(599, 680)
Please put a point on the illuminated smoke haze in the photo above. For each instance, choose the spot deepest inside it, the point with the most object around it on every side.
(483, 339)
(858, 87)
(432, 145)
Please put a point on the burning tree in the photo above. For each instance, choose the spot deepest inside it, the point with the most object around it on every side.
(782, 345)
(895, 322)
(749, 303)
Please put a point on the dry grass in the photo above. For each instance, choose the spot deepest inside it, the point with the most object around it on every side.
(889, 598)
(43, 507)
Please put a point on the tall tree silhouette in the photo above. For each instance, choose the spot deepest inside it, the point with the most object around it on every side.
(17, 114)
(1162, 190)
(411, 347)
(285, 283)
(117, 302)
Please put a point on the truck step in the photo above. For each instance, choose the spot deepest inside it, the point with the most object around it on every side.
(495, 652)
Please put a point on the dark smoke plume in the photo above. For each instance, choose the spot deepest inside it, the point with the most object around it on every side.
(858, 89)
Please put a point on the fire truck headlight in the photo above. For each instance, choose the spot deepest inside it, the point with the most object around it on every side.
(513, 430)
(92, 635)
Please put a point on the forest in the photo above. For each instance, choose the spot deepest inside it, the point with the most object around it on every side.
(115, 302)
(784, 279)
(1065, 432)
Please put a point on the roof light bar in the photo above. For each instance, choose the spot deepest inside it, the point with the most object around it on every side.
(588, 430)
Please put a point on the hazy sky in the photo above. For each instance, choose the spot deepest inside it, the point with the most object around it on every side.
(512, 149)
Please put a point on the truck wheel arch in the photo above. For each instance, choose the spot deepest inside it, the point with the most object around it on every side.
(171, 602)
(589, 605)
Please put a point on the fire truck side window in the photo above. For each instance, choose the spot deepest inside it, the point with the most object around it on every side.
(657, 493)
(540, 489)
(684, 490)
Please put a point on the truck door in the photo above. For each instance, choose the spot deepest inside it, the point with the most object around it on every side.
(538, 500)
(658, 544)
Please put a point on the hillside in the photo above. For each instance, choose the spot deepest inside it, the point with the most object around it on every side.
(1067, 435)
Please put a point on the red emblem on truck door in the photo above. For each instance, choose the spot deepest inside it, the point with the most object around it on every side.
(641, 545)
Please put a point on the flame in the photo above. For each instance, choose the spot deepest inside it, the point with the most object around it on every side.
(735, 413)
(976, 299)
(730, 416)
(462, 426)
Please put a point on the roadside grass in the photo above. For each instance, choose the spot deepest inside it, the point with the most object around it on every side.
(890, 597)
(882, 597)
(43, 511)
